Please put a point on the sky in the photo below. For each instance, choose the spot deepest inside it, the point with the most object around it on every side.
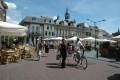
(80, 10)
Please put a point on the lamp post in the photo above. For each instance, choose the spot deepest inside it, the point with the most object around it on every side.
(95, 32)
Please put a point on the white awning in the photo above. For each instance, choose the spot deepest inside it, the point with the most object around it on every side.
(72, 38)
(9, 29)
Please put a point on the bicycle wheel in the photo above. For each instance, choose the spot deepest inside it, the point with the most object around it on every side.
(76, 59)
(84, 62)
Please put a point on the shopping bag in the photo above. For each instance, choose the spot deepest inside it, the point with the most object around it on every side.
(58, 56)
(40, 52)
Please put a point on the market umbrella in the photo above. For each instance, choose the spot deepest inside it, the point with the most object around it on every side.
(89, 39)
(56, 38)
(45, 39)
(9, 29)
(116, 37)
(72, 38)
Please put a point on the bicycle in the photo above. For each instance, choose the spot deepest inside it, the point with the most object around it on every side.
(79, 59)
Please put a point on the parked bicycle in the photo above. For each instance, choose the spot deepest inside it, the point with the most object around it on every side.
(79, 59)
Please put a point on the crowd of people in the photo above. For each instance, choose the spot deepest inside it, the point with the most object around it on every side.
(64, 47)
(67, 48)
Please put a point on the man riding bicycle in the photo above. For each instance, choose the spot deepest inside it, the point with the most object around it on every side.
(78, 45)
(79, 59)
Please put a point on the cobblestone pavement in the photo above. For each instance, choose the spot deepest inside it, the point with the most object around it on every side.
(48, 69)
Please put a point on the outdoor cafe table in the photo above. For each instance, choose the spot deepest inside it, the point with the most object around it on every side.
(9, 52)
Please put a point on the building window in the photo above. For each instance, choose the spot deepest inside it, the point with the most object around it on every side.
(32, 29)
(50, 21)
(47, 27)
(52, 33)
(34, 18)
(51, 27)
(49, 33)
(45, 20)
(37, 30)
(86, 33)
(46, 33)
(89, 34)
(41, 30)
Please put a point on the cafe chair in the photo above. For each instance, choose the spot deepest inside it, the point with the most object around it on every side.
(17, 55)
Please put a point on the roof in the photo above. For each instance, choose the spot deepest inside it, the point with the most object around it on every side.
(42, 19)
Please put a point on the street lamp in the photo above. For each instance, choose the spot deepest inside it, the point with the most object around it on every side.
(96, 30)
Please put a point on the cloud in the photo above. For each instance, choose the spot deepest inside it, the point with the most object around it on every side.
(13, 15)
(10, 20)
(110, 24)
(84, 6)
(94, 7)
(54, 17)
(11, 5)
(25, 7)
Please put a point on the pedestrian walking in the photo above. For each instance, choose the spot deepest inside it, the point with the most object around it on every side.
(38, 49)
(46, 46)
(43, 46)
(63, 52)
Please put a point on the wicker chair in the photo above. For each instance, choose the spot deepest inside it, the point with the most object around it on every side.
(32, 51)
(17, 55)
(6, 57)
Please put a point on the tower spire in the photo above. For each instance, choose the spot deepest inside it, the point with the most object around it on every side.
(67, 15)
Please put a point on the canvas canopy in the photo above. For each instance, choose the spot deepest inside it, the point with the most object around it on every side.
(89, 39)
(72, 38)
(10, 25)
(45, 39)
(56, 38)
(13, 34)
(116, 37)
(104, 40)
(9, 29)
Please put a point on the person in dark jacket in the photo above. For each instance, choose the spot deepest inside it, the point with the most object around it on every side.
(47, 46)
(63, 51)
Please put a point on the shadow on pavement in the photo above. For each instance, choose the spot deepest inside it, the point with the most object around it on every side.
(114, 66)
(29, 59)
(52, 65)
(114, 77)
(56, 65)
